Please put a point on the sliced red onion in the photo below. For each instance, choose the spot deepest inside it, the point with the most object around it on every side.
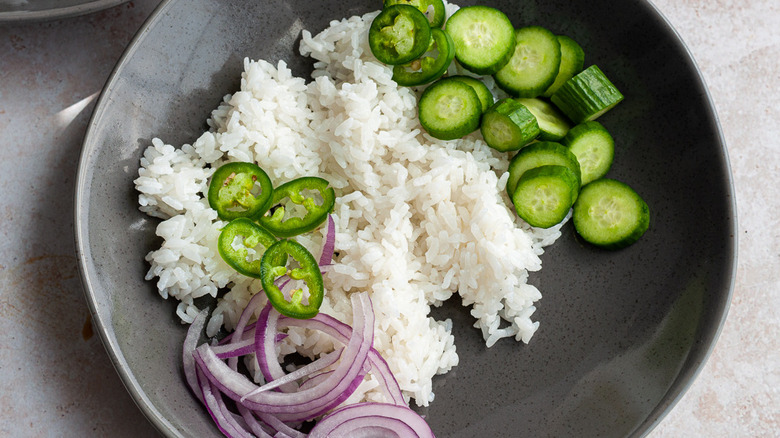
(314, 380)
(190, 343)
(266, 413)
(326, 258)
(234, 350)
(265, 347)
(216, 407)
(310, 403)
(377, 420)
(321, 363)
(243, 320)
(342, 332)
(255, 426)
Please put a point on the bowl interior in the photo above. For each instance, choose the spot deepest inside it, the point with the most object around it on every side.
(622, 333)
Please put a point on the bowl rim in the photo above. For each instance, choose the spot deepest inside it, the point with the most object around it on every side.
(677, 389)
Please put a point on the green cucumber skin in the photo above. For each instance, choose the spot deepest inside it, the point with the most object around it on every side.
(483, 92)
(584, 133)
(447, 127)
(483, 62)
(514, 78)
(610, 238)
(555, 178)
(541, 154)
(572, 62)
(553, 125)
(521, 121)
(587, 96)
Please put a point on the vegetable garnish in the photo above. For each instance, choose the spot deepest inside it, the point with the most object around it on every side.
(484, 38)
(265, 410)
(240, 189)
(379, 418)
(310, 192)
(427, 68)
(546, 89)
(433, 9)
(242, 243)
(274, 265)
(399, 34)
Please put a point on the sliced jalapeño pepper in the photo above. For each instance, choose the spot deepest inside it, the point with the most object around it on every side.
(310, 201)
(274, 265)
(238, 245)
(240, 189)
(433, 9)
(427, 68)
(399, 34)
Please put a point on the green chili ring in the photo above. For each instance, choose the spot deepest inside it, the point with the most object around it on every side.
(427, 68)
(275, 221)
(237, 255)
(232, 191)
(274, 265)
(435, 18)
(399, 34)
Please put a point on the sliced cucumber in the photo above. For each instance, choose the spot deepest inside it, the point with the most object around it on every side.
(572, 61)
(587, 95)
(610, 214)
(484, 38)
(534, 64)
(540, 154)
(508, 125)
(594, 148)
(553, 125)
(544, 195)
(449, 109)
(483, 92)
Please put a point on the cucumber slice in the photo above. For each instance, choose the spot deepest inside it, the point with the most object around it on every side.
(484, 38)
(544, 195)
(594, 148)
(587, 95)
(508, 125)
(534, 64)
(483, 92)
(610, 214)
(553, 125)
(449, 109)
(572, 61)
(540, 154)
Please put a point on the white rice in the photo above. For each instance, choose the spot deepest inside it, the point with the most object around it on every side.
(418, 219)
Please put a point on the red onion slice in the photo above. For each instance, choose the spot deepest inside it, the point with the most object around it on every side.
(255, 426)
(190, 343)
(329, 246)
(306, 370)
(265, 347)
(372, 420)
(342, 332)
(216, 407)
(310, 403)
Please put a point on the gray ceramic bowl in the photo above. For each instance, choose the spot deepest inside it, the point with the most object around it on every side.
(622, 333)
(12, 11)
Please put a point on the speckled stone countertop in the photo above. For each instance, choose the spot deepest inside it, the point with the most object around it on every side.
(55, 377)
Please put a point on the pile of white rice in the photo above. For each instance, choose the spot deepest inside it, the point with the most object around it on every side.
(418, 219)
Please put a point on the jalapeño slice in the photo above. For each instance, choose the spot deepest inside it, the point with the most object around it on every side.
(240, 189)
(299, 206)
(274, 264)
(399, 34)
(427, 68)
(238, 245)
